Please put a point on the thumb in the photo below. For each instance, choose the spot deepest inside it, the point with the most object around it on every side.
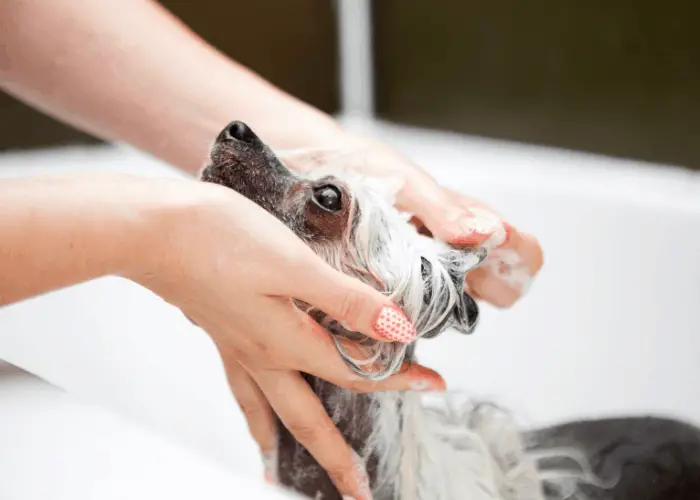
(356, 305)
(457, 220)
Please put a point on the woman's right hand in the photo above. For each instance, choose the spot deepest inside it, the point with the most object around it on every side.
(233, 269)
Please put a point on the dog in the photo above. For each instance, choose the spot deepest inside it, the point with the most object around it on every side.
(417, 446)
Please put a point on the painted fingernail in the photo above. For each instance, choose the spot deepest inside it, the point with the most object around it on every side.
(270, 464)
(392, 324)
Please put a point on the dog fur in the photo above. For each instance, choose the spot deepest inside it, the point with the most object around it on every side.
(417, 446)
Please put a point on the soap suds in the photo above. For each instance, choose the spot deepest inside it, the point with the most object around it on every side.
(507, 265)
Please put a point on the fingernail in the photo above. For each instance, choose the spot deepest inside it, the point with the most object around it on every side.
(489, 225)
(270, 465)
(363, 486)
(471, 225)
(392, 324)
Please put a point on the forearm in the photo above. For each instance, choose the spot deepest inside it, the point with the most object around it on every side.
(59, 231)
(127, 70)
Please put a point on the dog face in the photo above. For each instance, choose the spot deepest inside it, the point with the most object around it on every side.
(355, 229)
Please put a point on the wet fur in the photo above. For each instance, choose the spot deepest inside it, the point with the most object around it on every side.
(444, 449)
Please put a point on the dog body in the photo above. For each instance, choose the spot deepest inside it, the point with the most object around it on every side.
(417, 446)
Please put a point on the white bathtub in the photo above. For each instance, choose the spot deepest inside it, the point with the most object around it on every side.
(610, 327)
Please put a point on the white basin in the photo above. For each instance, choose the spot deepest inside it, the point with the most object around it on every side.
(610, 327)
(56, 446)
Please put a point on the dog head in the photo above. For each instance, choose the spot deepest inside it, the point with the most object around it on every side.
(357, 231)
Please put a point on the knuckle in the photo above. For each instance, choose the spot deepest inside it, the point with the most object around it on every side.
(258, 354)
(350, 307)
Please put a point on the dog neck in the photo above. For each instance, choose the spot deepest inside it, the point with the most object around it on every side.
(373, 426)
(353, 416)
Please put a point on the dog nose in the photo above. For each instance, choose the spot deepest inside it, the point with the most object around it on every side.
(240, 132)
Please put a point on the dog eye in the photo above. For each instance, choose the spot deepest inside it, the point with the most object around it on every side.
(328, 198)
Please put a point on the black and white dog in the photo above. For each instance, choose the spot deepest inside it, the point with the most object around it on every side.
(412, 448)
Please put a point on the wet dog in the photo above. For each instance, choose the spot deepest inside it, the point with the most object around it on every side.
(418, 447)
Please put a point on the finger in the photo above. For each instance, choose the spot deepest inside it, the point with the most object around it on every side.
(420, 227)
(358, 306)
(527, 246)
(306, 346)
(469, 239)
(262, 423)
(508, 272)
(446, 216)
(516, 257)
(303, 415)
(410, 377)
(413, 376)
(371, 361)
(254, 405)
(486, 285)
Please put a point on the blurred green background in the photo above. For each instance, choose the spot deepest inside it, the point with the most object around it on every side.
(291, 43)
(615, 77)
(618, 77)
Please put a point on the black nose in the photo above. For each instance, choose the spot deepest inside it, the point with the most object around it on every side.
(240, 132)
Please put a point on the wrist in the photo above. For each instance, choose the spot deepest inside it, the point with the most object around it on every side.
(57, 231)
(154, 230)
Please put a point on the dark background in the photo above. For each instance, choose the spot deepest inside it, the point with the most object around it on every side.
(292, 43)
(619, 77)
(613, 77)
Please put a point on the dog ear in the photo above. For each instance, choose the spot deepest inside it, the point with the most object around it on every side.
(458, 263)
(464, 315)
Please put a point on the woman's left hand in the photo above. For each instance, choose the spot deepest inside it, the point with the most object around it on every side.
(514, 257)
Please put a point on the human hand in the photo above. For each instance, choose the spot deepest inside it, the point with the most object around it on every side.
(514, 257)
(233, 269)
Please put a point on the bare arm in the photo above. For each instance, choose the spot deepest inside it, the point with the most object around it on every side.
(58, 231)
(128, 70)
